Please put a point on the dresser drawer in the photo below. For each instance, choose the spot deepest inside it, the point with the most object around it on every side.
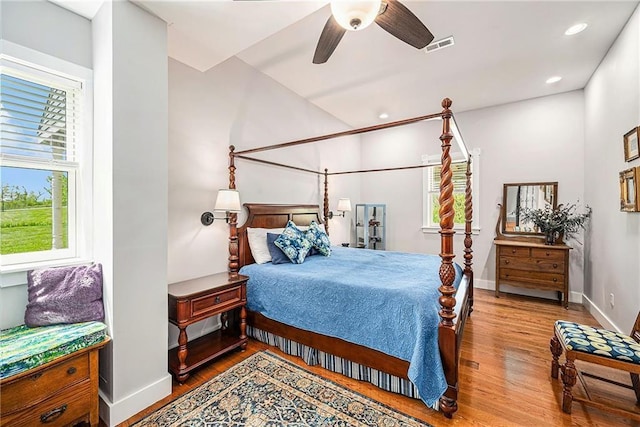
(553, 254)
(218, 301)
(34, 388)
(532, 264)
(515, 251)
(538, 280)
(69, 405)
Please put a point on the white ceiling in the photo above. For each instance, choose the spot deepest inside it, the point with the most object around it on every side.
(504, 51)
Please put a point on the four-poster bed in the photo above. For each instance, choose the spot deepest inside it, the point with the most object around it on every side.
(454, 305)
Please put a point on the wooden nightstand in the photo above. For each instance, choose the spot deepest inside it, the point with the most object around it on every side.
(197, 299)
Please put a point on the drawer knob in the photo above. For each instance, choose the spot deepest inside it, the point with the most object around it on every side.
(555, 265)
(72, 370)
(53, 414)
(513, 251)
(548, 253)
(555, 279)
(217, 300)
(506, 261)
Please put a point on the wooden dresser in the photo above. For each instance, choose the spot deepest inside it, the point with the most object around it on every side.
(533, 265)
(60, 393)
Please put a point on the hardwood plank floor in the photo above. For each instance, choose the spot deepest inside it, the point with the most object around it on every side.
(504, 376)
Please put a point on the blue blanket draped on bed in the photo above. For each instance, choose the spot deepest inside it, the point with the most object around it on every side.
(383, 300)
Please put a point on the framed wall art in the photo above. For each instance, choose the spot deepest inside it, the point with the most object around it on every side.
(631, 138)
(629, 190)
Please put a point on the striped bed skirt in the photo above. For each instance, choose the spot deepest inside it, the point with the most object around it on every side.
(313, 357)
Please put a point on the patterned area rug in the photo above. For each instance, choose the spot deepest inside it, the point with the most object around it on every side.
(266, 390)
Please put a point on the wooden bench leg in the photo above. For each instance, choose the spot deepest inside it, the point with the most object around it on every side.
(556, 351)
(635, 380)
(569, 375)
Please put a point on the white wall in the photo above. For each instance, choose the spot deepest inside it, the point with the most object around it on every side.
(529, 141)
(47, 28)
(131, 195)
(612, 107)
(235, 104)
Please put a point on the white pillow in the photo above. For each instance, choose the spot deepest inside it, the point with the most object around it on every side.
(306, 227)
(258, 243)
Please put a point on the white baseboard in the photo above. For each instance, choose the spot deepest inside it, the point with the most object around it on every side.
(491, 285)
(600, 316)
(113, 413)
(573, 297)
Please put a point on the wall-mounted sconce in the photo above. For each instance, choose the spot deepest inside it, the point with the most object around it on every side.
(344, 205)
(228, 201)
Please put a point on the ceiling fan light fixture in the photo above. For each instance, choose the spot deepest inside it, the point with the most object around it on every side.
(355, 15)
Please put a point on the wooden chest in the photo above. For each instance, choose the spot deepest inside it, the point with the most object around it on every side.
(60, 393)
(533, 265)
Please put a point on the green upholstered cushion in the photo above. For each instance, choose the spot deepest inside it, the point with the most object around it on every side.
(23, 348)
(602, 342)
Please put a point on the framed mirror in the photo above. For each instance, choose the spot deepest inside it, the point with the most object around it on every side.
(528, 195)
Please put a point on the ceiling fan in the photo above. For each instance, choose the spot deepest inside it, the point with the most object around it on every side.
(391, 15)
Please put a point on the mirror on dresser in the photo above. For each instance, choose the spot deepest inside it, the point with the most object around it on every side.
(529, 195)
(522, 257)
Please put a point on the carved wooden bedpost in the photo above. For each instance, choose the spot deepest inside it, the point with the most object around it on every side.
(446, 330)
(468, 241)
(233, 218)
(326, 201)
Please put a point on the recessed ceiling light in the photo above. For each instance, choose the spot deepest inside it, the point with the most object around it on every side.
(383, 116)
(575, 29)
(554, 79)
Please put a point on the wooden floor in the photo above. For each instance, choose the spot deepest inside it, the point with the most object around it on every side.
(504, 375)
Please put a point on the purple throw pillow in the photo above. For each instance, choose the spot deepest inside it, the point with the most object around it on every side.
(64, 295)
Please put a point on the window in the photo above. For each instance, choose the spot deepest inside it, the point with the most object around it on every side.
(40, 128)
(431, 193)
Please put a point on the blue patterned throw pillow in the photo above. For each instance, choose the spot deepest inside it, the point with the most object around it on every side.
(293, 243)
(318, 239)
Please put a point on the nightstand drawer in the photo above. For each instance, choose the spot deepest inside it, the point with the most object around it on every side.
(216, 302)
(32, 389)
(62, 409)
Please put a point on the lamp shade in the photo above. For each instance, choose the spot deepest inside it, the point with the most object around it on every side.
(228, 201)
(344, 205)
(354, 15)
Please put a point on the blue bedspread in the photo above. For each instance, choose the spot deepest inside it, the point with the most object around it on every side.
(383, 300)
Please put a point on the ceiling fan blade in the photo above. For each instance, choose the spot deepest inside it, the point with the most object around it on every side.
(331, 35)
(400, 22)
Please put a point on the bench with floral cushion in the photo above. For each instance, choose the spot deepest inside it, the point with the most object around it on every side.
(598, 346)
(49, 365)
(23, 348)
(50, 373)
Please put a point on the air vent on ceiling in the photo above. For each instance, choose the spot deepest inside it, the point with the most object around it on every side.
(440, 44)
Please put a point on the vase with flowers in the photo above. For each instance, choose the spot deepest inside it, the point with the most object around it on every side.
(564, 221)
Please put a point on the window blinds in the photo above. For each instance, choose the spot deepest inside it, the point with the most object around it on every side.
(459, 178)
(38, 118)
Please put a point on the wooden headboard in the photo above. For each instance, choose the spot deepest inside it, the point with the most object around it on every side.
(272, 216)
